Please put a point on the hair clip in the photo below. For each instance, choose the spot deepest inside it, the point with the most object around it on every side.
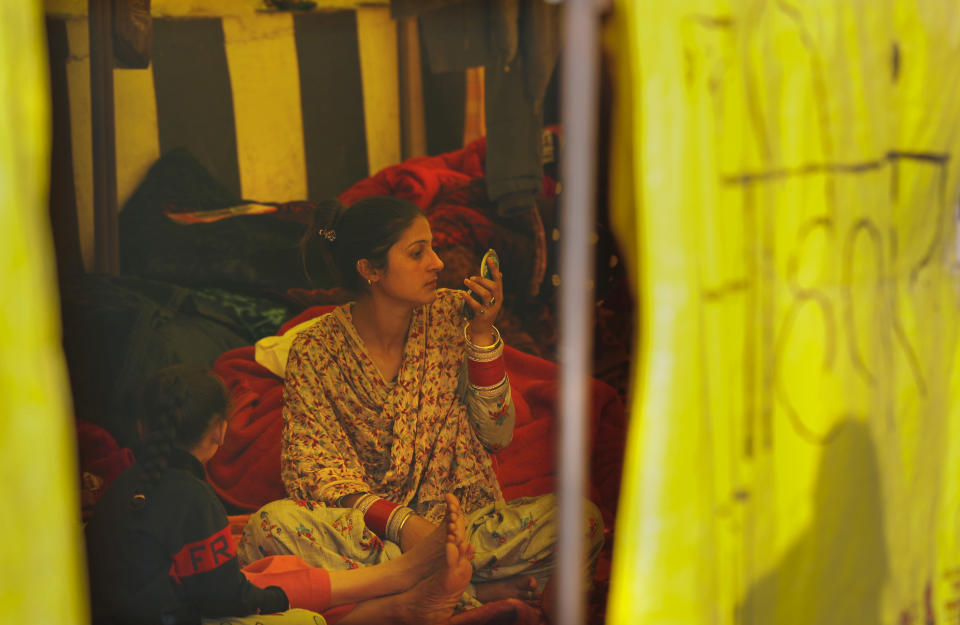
(327, 233)
(137, 502)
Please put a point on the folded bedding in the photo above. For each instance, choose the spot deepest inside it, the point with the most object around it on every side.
(183, 226)
(118, 329)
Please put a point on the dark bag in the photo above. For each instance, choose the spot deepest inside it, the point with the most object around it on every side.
(118, 329)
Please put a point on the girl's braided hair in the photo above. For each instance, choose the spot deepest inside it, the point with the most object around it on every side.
(176, 406)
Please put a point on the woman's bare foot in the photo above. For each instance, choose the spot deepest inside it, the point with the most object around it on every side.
(428, 555)
(431, 602)
(523, 587)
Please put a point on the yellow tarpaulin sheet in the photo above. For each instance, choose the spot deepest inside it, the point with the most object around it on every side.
(786, 185)
(41, 573)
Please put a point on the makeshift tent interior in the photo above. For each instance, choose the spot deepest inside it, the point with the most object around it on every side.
(215, 129)
(785, 187)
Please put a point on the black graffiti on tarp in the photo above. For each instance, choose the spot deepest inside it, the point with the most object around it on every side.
(758, 265)
(727, 288)
(941, 161)
(857, 167)
(818, 84)
(712, 21)
(762, 355)
(900, 334)
(803, 296)
(864, 225)
(780, 173)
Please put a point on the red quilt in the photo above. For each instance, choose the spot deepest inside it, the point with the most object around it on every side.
(246, 470)
(448, 188)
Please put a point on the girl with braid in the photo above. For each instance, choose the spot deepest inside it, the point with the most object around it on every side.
(160, 550)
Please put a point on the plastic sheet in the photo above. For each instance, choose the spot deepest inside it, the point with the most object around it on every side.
(785, 185)
(41, 565)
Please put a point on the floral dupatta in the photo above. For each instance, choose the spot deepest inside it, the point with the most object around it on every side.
(348, 430)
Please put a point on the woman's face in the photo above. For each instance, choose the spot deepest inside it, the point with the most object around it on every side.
(412, 266)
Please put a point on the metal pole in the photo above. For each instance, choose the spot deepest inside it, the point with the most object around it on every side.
(579, 93)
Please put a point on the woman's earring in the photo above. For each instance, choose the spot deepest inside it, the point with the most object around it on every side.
(369, 282)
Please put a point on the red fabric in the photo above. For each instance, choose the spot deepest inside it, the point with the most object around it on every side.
(203, 555)
(101, 461)
(448, 189)
(306, 587)
(485, 373)
(505, 612)
(421, 180)
(99, 452)
(377, 516)
(246, 469)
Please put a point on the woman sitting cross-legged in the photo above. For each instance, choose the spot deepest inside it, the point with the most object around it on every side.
(395, 399)
(160, 550)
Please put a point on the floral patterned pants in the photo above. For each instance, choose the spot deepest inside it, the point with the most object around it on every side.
(509, 538)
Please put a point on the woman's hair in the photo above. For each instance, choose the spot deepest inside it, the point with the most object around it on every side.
(176, 407)
(367, 229)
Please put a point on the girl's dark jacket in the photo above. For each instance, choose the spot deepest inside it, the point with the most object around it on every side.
(170, 560)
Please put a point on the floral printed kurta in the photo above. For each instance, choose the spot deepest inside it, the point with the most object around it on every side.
(347, 430)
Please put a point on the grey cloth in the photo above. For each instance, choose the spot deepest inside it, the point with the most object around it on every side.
(517, 42)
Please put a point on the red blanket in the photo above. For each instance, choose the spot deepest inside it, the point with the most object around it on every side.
(246, 470)
(449, 189)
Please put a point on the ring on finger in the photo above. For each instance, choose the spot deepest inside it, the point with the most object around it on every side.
(493, 300)
(483, 311)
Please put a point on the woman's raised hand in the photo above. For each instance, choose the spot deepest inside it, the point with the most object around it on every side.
(485, 312)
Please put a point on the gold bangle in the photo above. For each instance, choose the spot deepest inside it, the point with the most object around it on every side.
(395, 526)
(387, 533)
(363, 504)
(482, 348)
(483, 354)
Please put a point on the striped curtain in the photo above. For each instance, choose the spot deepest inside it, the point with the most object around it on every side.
(277, 106)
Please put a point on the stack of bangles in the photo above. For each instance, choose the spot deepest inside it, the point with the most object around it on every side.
(485, 366)
(384, 518)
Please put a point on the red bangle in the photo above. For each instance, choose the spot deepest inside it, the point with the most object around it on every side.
(487, 373)
(377, 516)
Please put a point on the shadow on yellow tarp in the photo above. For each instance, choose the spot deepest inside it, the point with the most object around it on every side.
(41, 561)
(785, 184)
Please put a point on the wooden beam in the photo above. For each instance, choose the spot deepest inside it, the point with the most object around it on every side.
(413, 121)
(104, 143)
